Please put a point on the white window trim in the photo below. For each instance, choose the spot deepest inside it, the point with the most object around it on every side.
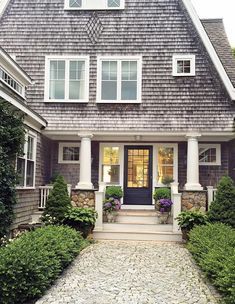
(192, 60)
(22, 93)
(92, 5)
(218, 154)
(34, 135)
(121, 145)
(121, 162)
(155, 162)
(66, 59)
(119, 59)
(60, 152)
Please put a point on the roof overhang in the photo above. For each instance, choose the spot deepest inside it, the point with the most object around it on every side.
(210, 49)
(10, 65)
(3, 5)
(35, 119)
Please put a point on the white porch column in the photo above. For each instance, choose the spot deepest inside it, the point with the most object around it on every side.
(193, 163)
(85, 162)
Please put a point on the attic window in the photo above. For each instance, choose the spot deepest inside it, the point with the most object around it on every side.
(183, 65)
(11, 82)
(94, 4)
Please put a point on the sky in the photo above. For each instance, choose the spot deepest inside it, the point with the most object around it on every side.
(218, 9)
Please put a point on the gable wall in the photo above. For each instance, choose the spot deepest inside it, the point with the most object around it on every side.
(154, 29)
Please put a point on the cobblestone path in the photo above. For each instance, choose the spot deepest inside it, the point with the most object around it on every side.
(121, 272)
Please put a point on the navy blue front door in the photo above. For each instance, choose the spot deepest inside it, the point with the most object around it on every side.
(138, 175)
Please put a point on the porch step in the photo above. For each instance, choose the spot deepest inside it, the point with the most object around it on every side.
(140, 236)
(135, 227)
(138, 217)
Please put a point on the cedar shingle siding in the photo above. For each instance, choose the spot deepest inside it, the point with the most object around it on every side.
(154, 29)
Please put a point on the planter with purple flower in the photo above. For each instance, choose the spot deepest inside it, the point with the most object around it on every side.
(112, 203)
(163, 203)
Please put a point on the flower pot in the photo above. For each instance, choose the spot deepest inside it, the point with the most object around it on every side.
(185, 234)
(163, 217)
(111, 217)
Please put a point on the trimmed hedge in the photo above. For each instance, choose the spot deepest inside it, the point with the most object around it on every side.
(30, 264)
(213, 247)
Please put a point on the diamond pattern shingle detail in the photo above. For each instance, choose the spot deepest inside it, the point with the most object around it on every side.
(94, 28)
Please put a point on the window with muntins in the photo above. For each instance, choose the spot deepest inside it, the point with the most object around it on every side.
(183, 65)
(26, 163)
(69, 153)
(67, 79)
(209, 154)
(94, 4)
(11, 82)
(119, 80)
(111, 165)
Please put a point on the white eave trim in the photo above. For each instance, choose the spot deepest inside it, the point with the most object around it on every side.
(25, 79)
(209, 47)
(23, 108)
(3, 5)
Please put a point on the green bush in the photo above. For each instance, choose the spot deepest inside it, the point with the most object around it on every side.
(222, 209)
(30, 264)
(213, 247)
(189, 219)
(114, 191)
(160, 193)
(58, 201)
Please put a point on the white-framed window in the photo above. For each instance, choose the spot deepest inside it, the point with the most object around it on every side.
(26, 163)
(119, 79)
(69, 153)
(167, 162)
(67, 79)
(11, 82)
(94, 4)
(111, 164)
(210, 154)
(183, 65)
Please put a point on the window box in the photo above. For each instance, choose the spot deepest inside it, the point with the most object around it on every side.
(119, 79)
(69, 153)
(67, 79)
(209, 154)
(183, 65)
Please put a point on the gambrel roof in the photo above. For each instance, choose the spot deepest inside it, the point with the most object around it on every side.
(154, 29)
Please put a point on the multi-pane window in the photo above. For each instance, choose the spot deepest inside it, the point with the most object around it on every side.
(120, 80)
(94, 4)
(26, 163)
(113, 3)
(75, 3)
(67, 80)
(10, 81)
(209, 154)
(111, 165)
(165, 164)
(69, 153)
(183, 65)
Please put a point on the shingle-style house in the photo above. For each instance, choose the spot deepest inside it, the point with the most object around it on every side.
(132, 92)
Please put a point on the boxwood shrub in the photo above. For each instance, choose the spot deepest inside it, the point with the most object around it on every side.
(213, 247)
(30, 264)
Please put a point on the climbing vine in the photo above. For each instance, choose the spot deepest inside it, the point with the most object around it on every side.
(11, 143)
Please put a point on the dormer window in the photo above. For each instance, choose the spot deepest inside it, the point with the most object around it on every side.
(11, 82)
(94, 4)
(183, 65)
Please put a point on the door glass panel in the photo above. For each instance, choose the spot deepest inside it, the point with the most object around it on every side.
(165, 163)
(138, 168)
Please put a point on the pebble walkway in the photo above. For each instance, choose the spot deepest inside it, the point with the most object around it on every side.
(121, 272)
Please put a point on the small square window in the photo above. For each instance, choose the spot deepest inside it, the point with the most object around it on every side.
(209, 154)
(69, 153)
(75, 3)
(113, 3)
(183, 65)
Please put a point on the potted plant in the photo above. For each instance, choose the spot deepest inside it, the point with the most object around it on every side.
(114, 192)
(81, 219)
(163, 203)
(188, 219)
(110, 208)
(167, 180)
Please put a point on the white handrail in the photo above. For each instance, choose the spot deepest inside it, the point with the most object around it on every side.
(211, 193)
(44, 192)
(99, 199)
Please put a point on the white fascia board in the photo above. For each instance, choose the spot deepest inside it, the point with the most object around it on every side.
(13, 67)
(23, 108)
(3, 5)
(210, 49)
